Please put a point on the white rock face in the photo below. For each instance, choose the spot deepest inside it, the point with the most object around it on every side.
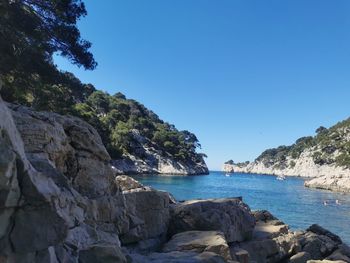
(331, 177)
(304, 167)
(330, 182)
(154, 162)
(157, 164)
(229, 215)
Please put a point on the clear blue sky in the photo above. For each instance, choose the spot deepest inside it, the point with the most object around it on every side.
(242, 75)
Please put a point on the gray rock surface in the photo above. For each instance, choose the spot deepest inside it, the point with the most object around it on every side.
(301, 257)
(62, 197)
(229, 215)
(148, 213)
(273, 242)
(127, 183)
(199, 241)
(28, 201)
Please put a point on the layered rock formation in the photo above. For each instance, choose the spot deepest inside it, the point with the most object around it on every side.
(62, 202)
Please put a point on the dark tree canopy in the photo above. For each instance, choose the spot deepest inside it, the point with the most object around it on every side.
(31, 31)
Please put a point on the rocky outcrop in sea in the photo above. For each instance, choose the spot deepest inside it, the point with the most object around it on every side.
(62, 202)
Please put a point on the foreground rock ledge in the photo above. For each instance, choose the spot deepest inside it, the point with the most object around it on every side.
(229, 215)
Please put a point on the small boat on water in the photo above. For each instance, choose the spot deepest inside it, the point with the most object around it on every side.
(281, 177)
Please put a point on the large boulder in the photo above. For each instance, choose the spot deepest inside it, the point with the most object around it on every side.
(29, 211)
(199, 241)
(148, 213)
(229, 215)
(272, 241)
(70, 145)
(341, 253)
(58, 195)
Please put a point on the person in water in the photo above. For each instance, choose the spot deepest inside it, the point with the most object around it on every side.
(337, 202)
(325, 202)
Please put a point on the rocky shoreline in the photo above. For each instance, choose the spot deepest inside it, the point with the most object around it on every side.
(61, 202)
(326, 177)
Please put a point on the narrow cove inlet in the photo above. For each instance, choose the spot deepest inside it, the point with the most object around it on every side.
(289, 200)
(174, 131)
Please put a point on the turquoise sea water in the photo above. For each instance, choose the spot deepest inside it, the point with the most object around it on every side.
(289, 200)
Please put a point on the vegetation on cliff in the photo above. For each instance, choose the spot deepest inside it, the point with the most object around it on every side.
(31, 32)
(328, 146)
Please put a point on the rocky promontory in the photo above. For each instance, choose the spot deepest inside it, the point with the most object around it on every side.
(324, 156)
(62, 202)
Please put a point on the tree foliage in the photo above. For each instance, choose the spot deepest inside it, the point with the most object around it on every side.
(328, 146)
(127, 125)
(31, 32)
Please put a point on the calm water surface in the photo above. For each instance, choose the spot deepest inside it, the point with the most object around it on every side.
(289, 200)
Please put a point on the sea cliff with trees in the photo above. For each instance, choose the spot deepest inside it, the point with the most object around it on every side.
(61, 197)
(325, 156)
(131, 133)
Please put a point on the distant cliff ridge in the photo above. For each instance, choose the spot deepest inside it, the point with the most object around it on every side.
(327, 154)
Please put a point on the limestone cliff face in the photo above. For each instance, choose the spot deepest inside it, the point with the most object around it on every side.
(326, 176)
(156, 162)
(324, 155)
(303, 166)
